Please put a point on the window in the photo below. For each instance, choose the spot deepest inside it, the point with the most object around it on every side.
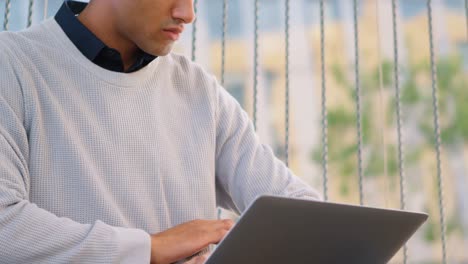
(271, 14)
(215, 18)
(236, 87)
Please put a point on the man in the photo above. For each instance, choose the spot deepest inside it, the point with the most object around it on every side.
(114, 150)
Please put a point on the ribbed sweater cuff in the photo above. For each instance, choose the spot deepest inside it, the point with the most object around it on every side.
(134, 246)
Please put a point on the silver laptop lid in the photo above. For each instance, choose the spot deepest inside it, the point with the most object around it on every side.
(278, 230)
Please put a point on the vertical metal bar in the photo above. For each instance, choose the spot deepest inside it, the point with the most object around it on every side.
(255, 99)
(466, 17)
(223, 55)
(223, 41)
(46, 8)
(396, 73)
(358, 102)
(194, 31)
(7, 15)
(286, 141)
(324, 104)
(435, 104)
(382, 102)
(30, 12)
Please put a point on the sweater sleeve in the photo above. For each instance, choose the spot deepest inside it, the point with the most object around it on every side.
(245, 168)
(29, 234)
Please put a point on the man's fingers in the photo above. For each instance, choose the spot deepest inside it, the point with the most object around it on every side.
(219, 230)
(198, 259)
(224, 223)
(187, 239)
(228, 223)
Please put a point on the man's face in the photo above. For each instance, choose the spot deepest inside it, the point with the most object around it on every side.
(153, 25)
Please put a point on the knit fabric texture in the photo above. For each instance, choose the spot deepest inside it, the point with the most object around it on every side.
(92, 161)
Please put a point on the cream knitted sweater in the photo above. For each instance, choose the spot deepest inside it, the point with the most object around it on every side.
(93, 161)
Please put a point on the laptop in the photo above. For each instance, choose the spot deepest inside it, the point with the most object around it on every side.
(278, 230)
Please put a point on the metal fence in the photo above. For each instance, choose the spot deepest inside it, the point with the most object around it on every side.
(391, 82)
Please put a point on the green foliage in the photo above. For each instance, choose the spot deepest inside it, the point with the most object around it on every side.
(432, 228)
(340, 118)
(317, 155)
(461, 120)
(410, 94)
(344, 188)
(346, 153)
(339, 75)
(387, 76)
(376, 166)
(392, 160)
(391, 112)
(366, 124)
(447, 70)
(427, 129)
(454, 225)
(348, 168)
(429, 231)
(413, 155)
(449, 134)
(453, 95)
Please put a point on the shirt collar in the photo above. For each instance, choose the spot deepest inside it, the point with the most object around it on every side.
(81, 36)
(90, 45)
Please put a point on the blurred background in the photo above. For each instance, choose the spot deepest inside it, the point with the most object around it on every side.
(382, 173)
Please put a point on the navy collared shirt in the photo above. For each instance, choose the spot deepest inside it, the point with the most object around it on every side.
(90, 45)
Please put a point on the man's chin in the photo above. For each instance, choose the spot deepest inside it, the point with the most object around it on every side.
(164, 53)
(161, 51)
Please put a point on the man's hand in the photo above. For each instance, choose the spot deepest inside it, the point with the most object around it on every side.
(187, 239)
(198, 259)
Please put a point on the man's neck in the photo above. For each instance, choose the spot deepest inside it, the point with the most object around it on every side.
(99, 20)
